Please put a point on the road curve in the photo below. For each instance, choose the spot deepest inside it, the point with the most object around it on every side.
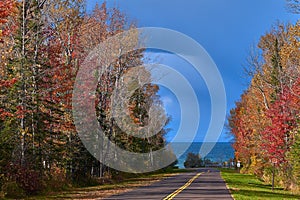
(204, 183)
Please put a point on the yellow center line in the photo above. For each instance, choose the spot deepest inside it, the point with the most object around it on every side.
(171, 196)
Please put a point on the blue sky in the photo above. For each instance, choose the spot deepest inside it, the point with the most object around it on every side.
(225, 28)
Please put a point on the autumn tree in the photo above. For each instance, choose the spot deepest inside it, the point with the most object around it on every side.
(265, 119)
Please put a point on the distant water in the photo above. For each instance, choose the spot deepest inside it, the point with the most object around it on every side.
(221, 152)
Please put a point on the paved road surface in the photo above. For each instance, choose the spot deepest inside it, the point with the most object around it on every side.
(201, 184)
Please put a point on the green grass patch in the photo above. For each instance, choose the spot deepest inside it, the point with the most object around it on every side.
(245, 186)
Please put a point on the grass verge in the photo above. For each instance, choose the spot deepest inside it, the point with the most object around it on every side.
(244, 186)
(106, 190)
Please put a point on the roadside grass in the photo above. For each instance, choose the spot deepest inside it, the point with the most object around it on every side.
(101, 191)
(244, 187)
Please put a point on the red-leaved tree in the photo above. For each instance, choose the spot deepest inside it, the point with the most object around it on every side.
(283, 115)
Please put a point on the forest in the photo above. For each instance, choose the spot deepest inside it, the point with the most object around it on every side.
(42, 44)
(265, 122)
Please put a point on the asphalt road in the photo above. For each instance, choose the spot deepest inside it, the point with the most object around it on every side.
(204, 183)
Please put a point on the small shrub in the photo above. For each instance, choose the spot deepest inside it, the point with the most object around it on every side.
(29, 180)
(13, 190)
(56, 180)
(193, 161)
(26, 178)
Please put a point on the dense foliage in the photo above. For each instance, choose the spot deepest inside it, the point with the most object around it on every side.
(266, 121)
(193, 161)
(42, 44)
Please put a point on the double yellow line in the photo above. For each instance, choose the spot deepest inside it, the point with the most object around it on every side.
(171, 196)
